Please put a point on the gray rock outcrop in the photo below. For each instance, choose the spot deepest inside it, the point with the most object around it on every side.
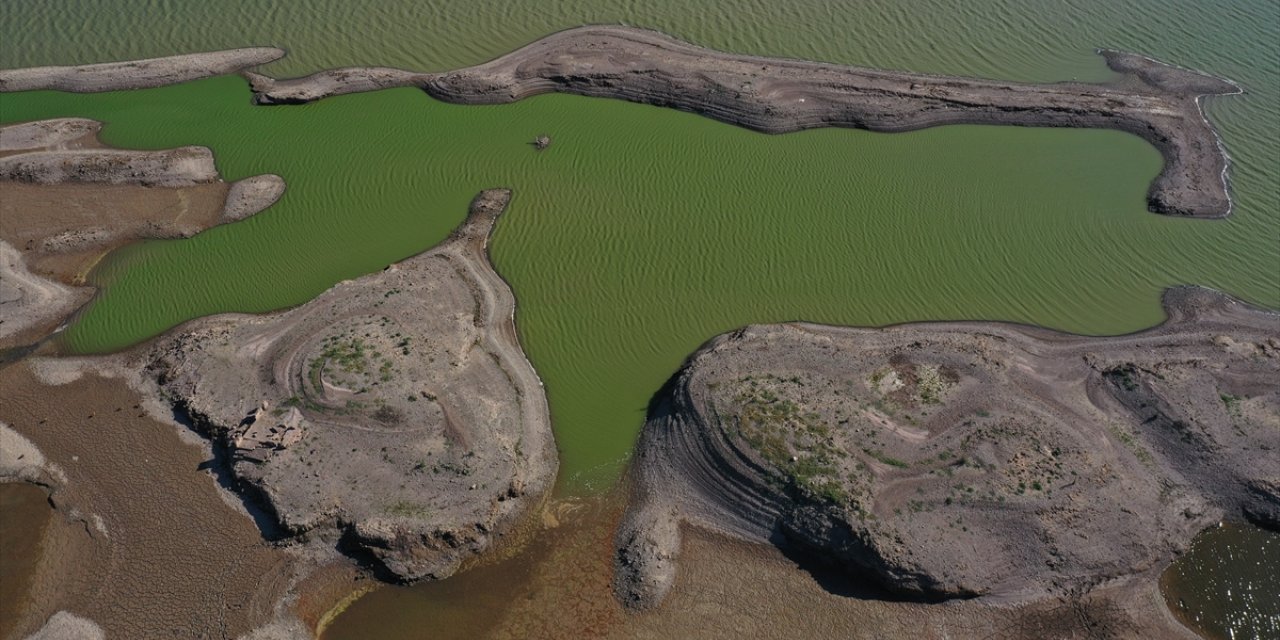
(1158, 102)
(394, 413)
(959, 460)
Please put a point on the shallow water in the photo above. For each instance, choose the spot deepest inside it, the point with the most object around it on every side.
(558, 586)
(24, 514)
(1228, 584)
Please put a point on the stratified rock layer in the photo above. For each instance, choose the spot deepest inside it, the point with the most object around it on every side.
(956, 460)
(136, 74)
(180, 167)
(395, 412)
(1156, 101)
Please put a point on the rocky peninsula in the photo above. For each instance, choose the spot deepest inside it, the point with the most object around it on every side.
(394, 419)
(395, 415)
(1153, 100)
(946, 461)
(1156, 101)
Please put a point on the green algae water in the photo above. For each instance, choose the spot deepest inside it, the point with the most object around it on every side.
(642, 232)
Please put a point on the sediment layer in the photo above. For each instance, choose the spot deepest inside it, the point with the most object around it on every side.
(903, 454)
(180, 167)
(136, 74)
(251, 195)
(142, 542)
(54, 133)
(395, 413)
(68, 200)
(1155, 101)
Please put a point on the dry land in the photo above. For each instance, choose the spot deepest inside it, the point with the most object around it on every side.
(143, 543)
(954, 461)
(394, 419)
(394, 415)
(976, 476)
(136, 74)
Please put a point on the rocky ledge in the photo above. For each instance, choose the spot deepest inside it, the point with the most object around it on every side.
(958, 460)
(395, 414)
(1155, 101)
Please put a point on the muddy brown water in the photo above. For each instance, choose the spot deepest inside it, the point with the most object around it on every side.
(558, 585)
(1228, 584)
(24, 515)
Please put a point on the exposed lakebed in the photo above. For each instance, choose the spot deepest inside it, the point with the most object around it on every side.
(24, 513)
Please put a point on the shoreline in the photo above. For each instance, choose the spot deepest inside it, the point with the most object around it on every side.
(1156, 101)
(70, 200)
(120, 534)
(354, 83)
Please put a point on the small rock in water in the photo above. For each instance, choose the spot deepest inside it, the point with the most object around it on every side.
(541, 142)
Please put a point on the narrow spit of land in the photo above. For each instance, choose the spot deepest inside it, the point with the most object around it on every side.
(1156, 101)
(1153, 100)
(136, 74)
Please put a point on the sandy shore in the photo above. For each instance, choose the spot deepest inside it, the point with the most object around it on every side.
(1155, 101)
(136, 74)
(559, 587)
(901, 454)
(768, 595)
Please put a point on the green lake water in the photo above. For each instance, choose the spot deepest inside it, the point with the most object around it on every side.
(643, 232)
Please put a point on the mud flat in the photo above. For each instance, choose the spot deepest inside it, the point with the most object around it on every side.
(394, 415)
(142, 542)
(136, 74)
(1153, 100)
(902, 454)
(67, 201)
